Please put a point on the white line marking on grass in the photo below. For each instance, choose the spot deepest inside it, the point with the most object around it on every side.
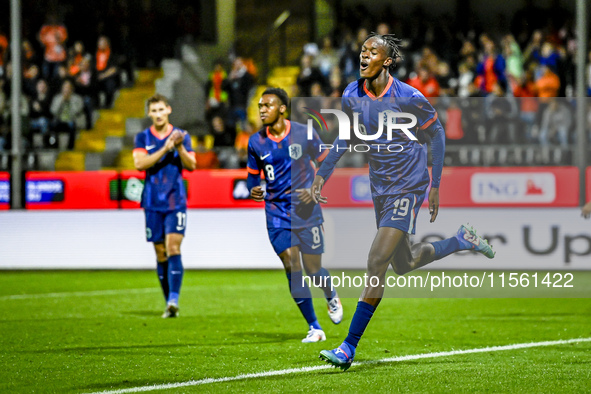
(321, 367)
(78, 294)
(94, 293)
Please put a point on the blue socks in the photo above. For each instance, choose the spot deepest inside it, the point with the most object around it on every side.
(322, 279)
(175, 278)
(303, 298)
(162, 271)
(359, 323)
(446, 247)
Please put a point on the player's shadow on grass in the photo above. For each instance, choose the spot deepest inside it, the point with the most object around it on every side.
(266, 337)
(371, 365)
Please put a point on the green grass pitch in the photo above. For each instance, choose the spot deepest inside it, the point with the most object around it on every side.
(92, 331)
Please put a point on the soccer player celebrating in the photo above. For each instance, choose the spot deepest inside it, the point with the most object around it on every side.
(162, 151)
(399, 179)
(294, 221)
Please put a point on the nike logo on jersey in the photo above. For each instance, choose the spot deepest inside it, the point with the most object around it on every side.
(315, 246)
(395, 218)
(180, 227)
(264, 157)
(148, 147)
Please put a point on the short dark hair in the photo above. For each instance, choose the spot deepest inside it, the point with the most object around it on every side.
(156, 99)
(282, 94)
(392, 44)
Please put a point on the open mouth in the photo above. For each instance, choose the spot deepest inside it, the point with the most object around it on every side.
(363, 65)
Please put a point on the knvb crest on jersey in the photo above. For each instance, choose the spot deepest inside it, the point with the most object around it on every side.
(295, 151)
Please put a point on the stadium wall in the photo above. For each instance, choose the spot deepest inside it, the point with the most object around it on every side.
(92, 220)
(533, 238)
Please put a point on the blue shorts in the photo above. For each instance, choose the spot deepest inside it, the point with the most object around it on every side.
(310, 240)
(158, 224)
(398, 211)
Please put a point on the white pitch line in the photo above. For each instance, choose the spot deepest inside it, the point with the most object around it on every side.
(321, 367)
(78, 294)
(115, 292)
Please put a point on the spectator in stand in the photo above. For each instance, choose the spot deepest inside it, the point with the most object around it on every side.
(425, 83)
(349, 58)
(67, 109)
(224, 137)
(336, 83)
(589, 74)
(205, 158)
(39, 109)
(383, 28)
(429, 61)
(316, 90)
(548, 56)
(448, 84)
(77, 53)
(491, 68)
(533, 48)
(501, 111)
(327, 57)
(309, 74)
(86, 86)
(556, 122)
(216, 90)
(107, 72)
(465, 80)
(55, 84)
(528, 103)
(468, 55)
(514, 61)
(240, 83)
(241, 144)
(30, 78)
(547, 85)
(29, 55)
(53, 36)
(23, 110)
(3, 51)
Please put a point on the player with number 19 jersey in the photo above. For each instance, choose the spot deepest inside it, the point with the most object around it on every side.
(398, 172)
(397, 165)
(287, 166)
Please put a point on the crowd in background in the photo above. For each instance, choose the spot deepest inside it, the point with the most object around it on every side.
(511, 85)
(76, 55)
(63, 84)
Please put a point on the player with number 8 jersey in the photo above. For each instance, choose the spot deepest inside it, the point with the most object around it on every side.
(282, 151)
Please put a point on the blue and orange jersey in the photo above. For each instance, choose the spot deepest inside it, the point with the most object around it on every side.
(163, 187)
(396, 165)
(287, 166)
